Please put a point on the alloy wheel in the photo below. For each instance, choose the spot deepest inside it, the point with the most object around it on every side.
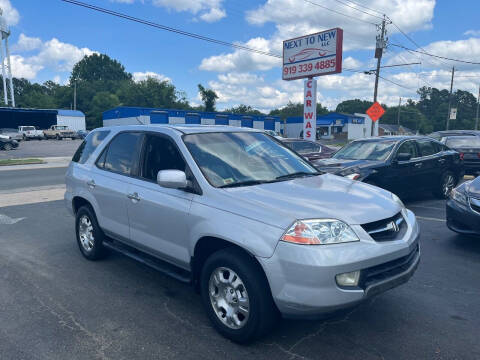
(85, 233)
(448, 185)
(229, 297)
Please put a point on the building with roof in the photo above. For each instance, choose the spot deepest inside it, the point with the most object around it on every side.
(41, 118)
(137, 115)
(333, 125)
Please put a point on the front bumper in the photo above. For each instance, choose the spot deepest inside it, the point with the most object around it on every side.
(462, 219)
(302, 278)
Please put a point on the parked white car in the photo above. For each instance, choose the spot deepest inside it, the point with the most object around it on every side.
(30, 132)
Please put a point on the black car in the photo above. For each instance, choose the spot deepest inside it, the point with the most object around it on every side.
(469, 149)
(400, 164)
(463, 208)
(308, 149)
(7, 143)
(438, 135)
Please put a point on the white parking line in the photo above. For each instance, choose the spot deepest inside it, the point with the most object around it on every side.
(430, 218)
(32, 196)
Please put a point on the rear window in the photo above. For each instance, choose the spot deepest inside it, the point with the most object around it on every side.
(303, 147)
(427, 147)
(463, 142)
(89, 145)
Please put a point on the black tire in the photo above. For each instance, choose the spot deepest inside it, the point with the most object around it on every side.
(97, 250)
(25, 138)
(262, 310)
(445, 186)
(58, 137)
(7, 147)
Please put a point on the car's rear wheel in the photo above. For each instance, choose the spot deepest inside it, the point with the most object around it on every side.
(7, 146)
(58, 137)
(236, 295)
(447, 183)
(89, 235)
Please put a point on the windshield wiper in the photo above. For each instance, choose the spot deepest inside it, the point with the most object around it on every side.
(245, 183)
(297, 174)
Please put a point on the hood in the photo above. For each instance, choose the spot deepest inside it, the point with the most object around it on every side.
(334, 165)
(474, 187)
(324, 196)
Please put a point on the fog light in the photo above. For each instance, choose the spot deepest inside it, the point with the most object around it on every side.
(348, 279)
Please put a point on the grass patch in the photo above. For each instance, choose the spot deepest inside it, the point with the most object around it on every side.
(6, 162)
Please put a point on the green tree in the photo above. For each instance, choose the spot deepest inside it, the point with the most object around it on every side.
(99, 67)
(209, 97)
(296, 109)
(244, 109)
(353, 106)
(101, 102)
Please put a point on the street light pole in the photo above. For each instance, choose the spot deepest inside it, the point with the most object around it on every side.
(398, 113)
(74, 94)
(478, 105)
(450, 98)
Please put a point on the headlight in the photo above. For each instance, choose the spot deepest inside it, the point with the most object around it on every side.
(398, 201)
(353, 176)
(459, 196)
(319, 232)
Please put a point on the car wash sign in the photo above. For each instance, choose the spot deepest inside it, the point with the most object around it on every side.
(313, 55)
(310, 110)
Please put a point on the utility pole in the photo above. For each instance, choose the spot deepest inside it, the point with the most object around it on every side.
(74, 94)
(450, 98)
(378, 55)
(478, 105)
(398, 114)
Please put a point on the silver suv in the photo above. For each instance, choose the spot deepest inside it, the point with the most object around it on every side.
(250, 223)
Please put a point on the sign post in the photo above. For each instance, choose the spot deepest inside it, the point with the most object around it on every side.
(310, 109)
(375, 112)
(453, 114)
(309, 56)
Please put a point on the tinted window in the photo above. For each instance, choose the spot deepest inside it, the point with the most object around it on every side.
(89, 145)
(303, 147)
(463, 141)
(122, 152)
(160, 154)
(408, 148)
(427, 147)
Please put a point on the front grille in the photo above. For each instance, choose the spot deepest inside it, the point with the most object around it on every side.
(392, 228)
(475, 204)
(376, 274)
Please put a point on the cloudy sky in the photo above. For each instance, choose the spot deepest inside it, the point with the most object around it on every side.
(49, 37)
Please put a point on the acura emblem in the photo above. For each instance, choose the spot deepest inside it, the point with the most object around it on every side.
(394, 226)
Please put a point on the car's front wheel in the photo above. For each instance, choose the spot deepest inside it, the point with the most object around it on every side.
(7, 146)
(89, 235)
(447, 183)
(236, 295)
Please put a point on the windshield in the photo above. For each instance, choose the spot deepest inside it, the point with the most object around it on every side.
(62, 128)
(303, 147)
(366, 150)
(465, 141)
(230, 159)
(28, 128)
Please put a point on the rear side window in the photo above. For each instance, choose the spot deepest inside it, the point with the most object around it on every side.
(89, 145)
(427, 147)
(122, 153)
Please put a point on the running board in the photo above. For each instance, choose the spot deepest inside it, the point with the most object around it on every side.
(157, 264)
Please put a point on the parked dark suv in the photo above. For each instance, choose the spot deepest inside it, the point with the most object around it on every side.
(400, 164)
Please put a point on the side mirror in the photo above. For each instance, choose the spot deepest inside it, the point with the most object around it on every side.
(173, 179)
(403, 156)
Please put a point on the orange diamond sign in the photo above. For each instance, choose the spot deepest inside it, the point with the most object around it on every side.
(375, 111)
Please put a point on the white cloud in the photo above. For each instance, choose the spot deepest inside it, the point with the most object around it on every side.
(207, 10)
(213, 15)
(472, 32)
(53, 55)
(10, 14)
(140, 76)
(351, 63)
(296, 18)
(26, 43)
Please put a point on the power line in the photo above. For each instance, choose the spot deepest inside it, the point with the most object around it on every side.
(355, 8)
(366, 7)
(170, 29)
(395, 83)
(436, 56)
(339, 13)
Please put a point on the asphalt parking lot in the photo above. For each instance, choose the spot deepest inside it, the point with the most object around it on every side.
(42, 148)
(54, 304)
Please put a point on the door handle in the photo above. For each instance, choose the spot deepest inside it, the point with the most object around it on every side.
(418, 165)
(441, 161)
(91, 184)
(134, 196)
